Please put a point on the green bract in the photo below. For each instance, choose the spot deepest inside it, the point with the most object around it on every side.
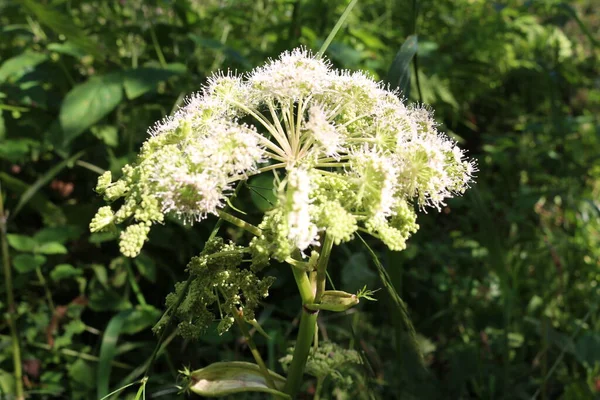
(348, 155)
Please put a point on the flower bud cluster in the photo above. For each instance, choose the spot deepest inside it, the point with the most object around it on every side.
(218, 283)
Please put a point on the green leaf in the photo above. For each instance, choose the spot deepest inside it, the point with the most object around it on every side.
(399, 74)
(226, 378)
(139, 81)
(262, 192)
(88, 103)
(108, 351)
(64, 271)
(146, 267)
(21, 242)
(51, 248)
(15, 150)
(107, 133)
(59, 234)
(14, 68)
(62, 24)
(28, 262)
(42, 180)
(66, 48)
(141, 317)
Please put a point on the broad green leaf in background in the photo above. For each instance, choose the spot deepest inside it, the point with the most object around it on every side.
(262, 193)
(142, 317)
(51, 248)
(16, 67)
(88, 103)
(137, 82)
(399, 74)
(64, 271)
(226, 378)
(28, 262)
(108, 351)
(62, 24)
(21, 242)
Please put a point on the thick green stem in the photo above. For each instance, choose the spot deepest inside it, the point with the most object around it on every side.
(306, 333)
(12, 310)
(308, 320)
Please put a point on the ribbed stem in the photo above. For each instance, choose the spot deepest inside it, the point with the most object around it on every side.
(306, 332)
(308, 320)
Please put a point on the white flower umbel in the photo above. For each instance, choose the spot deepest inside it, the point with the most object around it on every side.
(347, 153)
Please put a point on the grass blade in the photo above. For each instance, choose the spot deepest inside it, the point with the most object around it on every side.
(399, 74)
(336, 28)
(108, 351)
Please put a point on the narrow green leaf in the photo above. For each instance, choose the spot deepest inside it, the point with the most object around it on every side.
(28, 262)
(51, 213)
(226, 378)
(62, 24)
(108, 351)
(137, 82)
(21, 242)
(399, 74)
(336, 28)
(42, 180)
(88, 103)
(401, 308)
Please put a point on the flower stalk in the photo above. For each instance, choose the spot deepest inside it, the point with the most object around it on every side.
(11, 314)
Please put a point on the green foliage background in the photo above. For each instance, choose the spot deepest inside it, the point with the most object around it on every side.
(502, 285)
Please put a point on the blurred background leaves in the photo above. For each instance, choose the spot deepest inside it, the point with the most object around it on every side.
(502, 285)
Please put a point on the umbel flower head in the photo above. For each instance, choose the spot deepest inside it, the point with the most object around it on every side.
(346, 153)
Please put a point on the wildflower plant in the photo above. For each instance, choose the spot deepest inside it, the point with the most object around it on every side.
(346, 156)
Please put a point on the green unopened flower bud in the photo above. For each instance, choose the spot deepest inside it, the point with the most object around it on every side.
(103, 182)
(335, 300)
(103, 218)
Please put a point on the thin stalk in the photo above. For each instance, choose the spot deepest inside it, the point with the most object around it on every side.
(11, 311)
(240, 223)
(159, 53)
(134, 286)
(319, 388)
(322, 266)
(44, 283)
(239, 319)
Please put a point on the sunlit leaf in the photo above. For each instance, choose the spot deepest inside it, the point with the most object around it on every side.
(88, 103)
(16, 67)
(142, 80)
(21, 242)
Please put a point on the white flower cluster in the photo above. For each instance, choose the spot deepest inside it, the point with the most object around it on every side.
(352, 156)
